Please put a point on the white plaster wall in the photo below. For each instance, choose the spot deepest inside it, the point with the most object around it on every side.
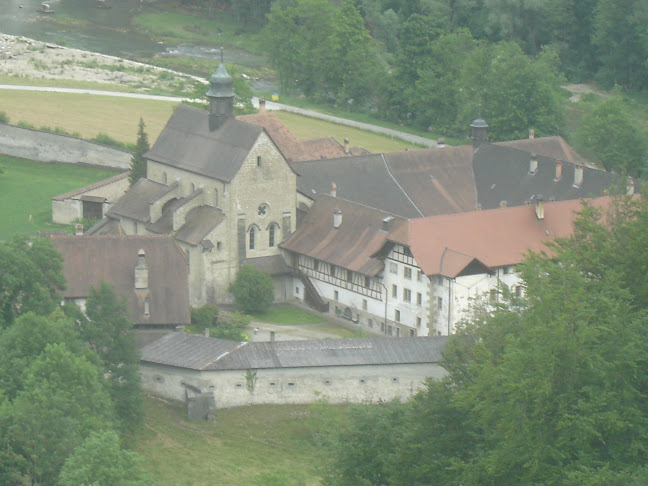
(66, 211)
(339, 384)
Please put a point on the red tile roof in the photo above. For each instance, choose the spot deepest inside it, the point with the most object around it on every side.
(446, 245)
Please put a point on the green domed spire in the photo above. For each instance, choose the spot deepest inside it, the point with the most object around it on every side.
(221, 83)
(220, 95)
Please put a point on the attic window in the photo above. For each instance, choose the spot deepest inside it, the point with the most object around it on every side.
(259, 161)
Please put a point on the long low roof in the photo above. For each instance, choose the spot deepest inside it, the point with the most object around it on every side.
(197, 352)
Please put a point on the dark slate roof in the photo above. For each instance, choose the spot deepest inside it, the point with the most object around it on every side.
(502, 174)
(135, 203)
(273, 264)
(186, 142)
(351, 245)
(411, 183)
(87, 260)
(164, 224)
(437, 180)
(198, 223)
(203, 353)
(106, 226)
(365, 180)
(553, 147)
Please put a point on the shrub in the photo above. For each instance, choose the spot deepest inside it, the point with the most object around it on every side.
(4, 118)
(253, 290)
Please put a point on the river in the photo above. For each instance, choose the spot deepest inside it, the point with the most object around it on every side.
(82, 25)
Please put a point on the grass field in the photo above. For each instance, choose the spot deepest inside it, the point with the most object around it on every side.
(27, 188)
(260, 445)
(306, 127)
(288, 316)
(86, 114)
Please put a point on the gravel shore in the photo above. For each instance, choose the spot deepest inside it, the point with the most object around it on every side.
(21, 57)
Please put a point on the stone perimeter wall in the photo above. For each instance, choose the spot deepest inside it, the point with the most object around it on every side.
(49, 147)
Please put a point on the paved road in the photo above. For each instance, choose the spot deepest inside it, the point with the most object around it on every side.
(270, 105)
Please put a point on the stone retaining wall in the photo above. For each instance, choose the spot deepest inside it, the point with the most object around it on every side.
(49, 147)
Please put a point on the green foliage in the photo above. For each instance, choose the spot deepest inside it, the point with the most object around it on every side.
(252, 289)
(138, 162)
(221, 325)
(205, 316)
(31, 275)
(322, 49)
(101, 461)
(109, 332)
(111, 142)
(231, 326)
(362, 449)
(611, 136)
(547, 389)
(62, 401)
(4, 118)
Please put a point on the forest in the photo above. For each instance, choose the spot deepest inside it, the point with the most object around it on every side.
(436, 65)
(549, 389)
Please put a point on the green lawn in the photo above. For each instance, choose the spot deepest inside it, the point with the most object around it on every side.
(261, 445)
(27, 188)
(86, 114)
(287, 316)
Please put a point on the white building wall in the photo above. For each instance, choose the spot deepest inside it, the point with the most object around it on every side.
(336, 384)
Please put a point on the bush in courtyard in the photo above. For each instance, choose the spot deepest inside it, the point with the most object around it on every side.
(252, 290)
(205, 316)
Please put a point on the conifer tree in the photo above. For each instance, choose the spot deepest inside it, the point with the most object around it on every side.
(138, 163)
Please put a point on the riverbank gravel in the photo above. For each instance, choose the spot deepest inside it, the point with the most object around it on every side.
(24, 58)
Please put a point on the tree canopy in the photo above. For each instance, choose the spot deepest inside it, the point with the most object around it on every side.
(252, 289)
(549, 388)
(138, 162)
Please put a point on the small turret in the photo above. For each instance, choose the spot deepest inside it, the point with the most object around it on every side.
(220, 96)
(479, 132)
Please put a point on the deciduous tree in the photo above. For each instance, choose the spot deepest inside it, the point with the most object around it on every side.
(252, 289)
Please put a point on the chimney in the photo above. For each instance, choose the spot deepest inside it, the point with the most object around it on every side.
(346, 146)
(386, 224)
(558, 170)
(533, 164)
(262, 107)
(333, 189)
(206, 332)
(441, 143)
(479, 132)
(337, 218)
(78, 229)
(578, 175)
(532, 133)
(141, 271)
(539, 208)
(630, 186)
(272, 336)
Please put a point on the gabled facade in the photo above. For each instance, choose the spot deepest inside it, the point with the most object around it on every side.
(427, 273)
(221, 188)
(149, 272)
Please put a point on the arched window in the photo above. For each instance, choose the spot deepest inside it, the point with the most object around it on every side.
(271, 235)
(215, 197)
(164, 177)
(252, 232)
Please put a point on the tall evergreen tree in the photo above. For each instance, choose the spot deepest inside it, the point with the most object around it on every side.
(138, 163)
